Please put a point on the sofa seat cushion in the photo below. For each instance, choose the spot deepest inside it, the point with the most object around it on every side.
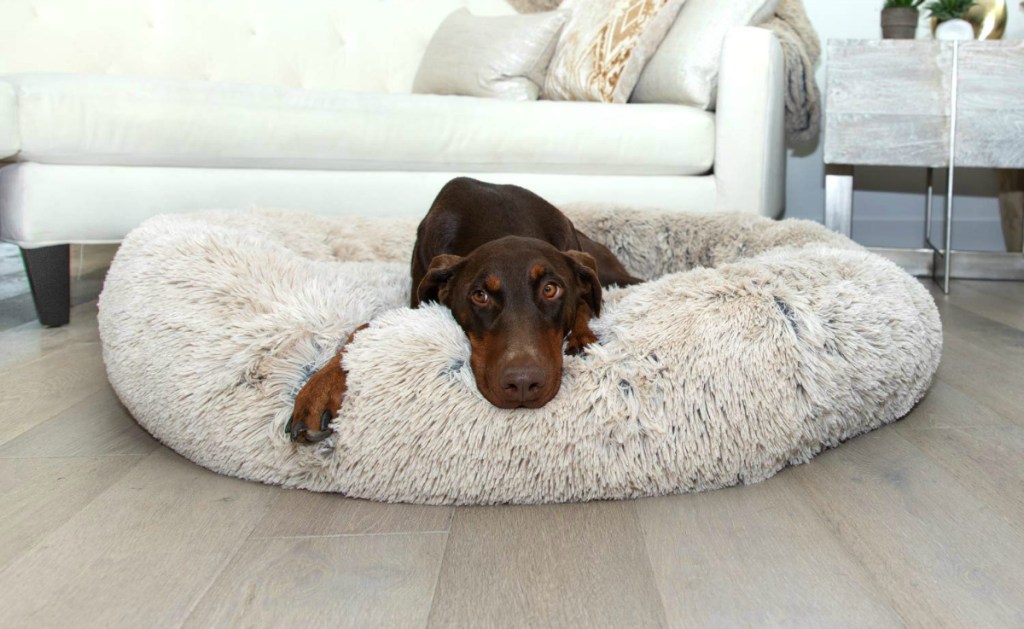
(84, 119)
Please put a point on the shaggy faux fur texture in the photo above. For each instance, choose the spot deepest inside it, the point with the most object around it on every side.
(755, 345)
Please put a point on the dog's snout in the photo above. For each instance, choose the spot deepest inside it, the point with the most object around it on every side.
(523, 383)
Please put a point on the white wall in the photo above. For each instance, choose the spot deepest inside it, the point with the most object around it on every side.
(889, 202)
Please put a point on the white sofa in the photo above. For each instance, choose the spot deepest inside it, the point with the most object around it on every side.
(112, 111)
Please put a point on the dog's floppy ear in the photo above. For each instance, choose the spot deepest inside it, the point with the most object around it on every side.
(586, 275)
(434, 285)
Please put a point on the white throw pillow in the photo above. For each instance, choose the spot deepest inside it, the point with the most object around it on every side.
(604, 47)
(499, 57)
(685, 67)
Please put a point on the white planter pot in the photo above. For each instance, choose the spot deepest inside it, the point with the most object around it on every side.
(955, 29)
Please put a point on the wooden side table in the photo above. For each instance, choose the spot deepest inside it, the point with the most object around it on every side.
(924, 103)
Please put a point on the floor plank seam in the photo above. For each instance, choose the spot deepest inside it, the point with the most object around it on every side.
(12, 366)
(229, 557)
(332, 535)
(62, 348)
(942, 464)
(650, 564)
(913, 429)
(31, 547)
(440, 568)
(1010, 423)
(869, 578)
(49, 416)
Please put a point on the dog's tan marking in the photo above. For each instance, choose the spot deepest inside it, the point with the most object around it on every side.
(537, 271)
(580, 335)
(492, 283)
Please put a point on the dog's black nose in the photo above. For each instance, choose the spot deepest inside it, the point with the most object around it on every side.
(523, 383)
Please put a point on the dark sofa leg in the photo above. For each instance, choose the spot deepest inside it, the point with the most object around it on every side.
(49, 275)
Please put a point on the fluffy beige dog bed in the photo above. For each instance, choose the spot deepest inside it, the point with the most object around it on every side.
(755, 345)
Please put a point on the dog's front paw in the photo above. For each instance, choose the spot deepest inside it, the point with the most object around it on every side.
(317, 405)
(578, 341)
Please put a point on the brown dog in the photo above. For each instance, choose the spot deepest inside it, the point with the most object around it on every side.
(518, 278)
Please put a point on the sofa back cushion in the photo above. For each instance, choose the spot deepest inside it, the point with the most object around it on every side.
(364, 45)
(504, 56)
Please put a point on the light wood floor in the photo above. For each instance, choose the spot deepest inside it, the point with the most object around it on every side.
(918, 524)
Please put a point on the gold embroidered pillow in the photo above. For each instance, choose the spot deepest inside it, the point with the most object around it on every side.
(605, 46)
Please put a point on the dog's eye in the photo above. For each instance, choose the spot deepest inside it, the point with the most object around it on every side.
(480, 297)
(552, 290)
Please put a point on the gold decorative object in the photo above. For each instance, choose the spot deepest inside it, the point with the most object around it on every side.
(988, 17)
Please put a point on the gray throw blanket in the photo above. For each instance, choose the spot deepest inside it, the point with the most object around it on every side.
(801, 49)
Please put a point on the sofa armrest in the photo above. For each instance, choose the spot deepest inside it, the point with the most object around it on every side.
(750, 148)
(10, 138)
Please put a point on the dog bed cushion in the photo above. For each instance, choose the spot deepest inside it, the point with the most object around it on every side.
(754, 345)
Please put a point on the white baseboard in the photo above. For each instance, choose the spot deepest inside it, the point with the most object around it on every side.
(969, 233)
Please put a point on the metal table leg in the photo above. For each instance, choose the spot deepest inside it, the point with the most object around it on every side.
(946, 253)
(839, 198)
(930, 182)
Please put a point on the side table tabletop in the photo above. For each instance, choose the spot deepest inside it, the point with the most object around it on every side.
(932, 104)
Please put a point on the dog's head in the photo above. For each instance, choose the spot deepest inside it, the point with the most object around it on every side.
(516, 298)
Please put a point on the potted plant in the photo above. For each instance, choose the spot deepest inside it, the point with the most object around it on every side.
(899, 19)
(949, 14)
